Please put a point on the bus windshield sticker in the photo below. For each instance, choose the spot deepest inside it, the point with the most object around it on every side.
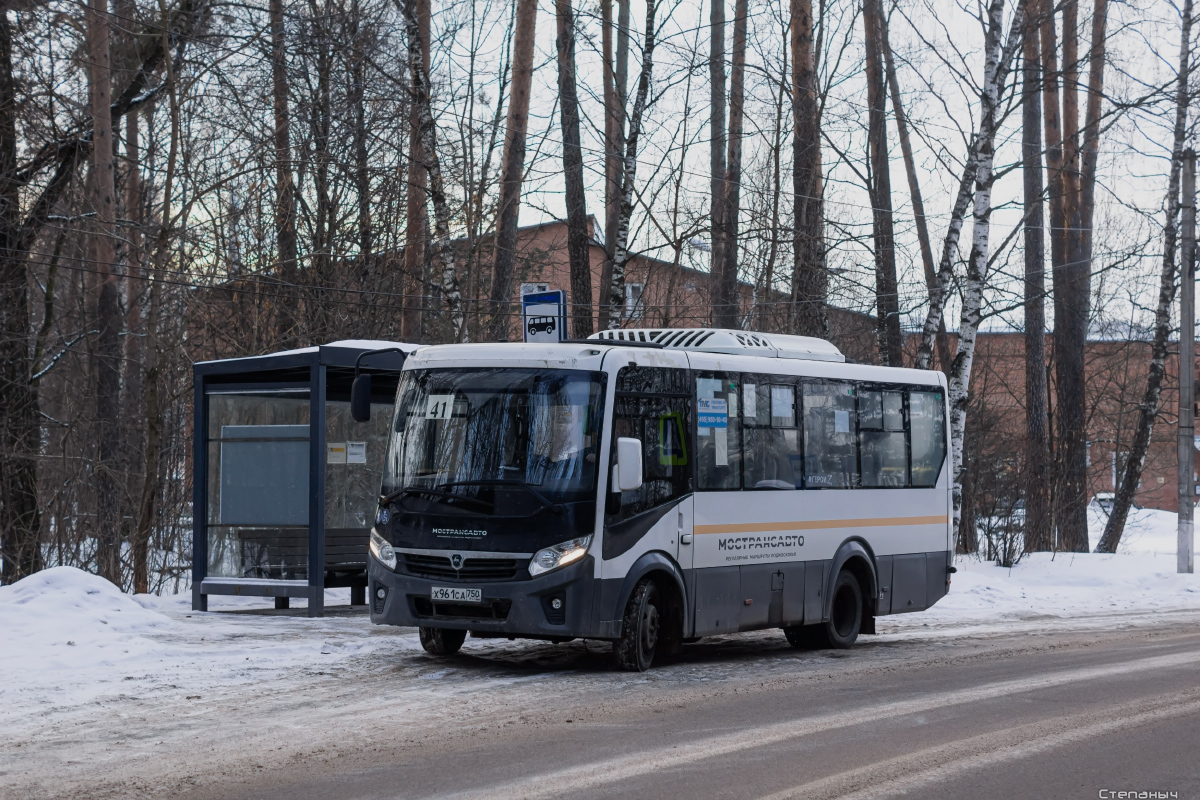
(750, 392)
(722, 447)
(712, 413)
(356, 452)
(841, 421)
(439, 406)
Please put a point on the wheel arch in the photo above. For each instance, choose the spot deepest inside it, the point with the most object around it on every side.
(858, 557)
(661, 566)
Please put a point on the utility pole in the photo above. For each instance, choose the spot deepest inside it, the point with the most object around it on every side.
(1187, 365)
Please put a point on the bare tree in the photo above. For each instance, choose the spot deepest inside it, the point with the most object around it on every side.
(887, 295)
(726, 303)
(810, 279)
(621, 254)
(577, 232)
(1131, 474)
(914, 188)
(718, 236)
(285, 190)
(443, 250)
(513, 169)
(1038, 533)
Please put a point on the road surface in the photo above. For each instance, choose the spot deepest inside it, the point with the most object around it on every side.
(1028, 714)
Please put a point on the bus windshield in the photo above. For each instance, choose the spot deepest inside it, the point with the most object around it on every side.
(495, 441)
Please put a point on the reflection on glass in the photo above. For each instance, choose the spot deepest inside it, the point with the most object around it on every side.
(497, 441)
(927, 417)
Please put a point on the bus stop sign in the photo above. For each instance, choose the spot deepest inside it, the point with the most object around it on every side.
(544, 316)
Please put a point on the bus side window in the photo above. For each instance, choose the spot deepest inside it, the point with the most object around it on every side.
(883, 449)
(830, 436)
(772, 439)
(927, 418)
(718, 432)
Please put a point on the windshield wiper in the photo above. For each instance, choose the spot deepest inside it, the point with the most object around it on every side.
(557, 508)
(399, 493)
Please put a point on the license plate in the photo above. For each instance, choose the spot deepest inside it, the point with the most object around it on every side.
(454, 594)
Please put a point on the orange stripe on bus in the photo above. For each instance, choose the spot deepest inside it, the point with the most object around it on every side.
(820, 524)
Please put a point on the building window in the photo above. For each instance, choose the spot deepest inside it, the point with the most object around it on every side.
(633, 300)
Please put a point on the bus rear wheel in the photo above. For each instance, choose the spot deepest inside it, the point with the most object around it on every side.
(845, 619)
(441, 641)
(641, 628)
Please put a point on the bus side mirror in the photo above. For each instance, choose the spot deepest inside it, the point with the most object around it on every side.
(360, 398)
(629, 464)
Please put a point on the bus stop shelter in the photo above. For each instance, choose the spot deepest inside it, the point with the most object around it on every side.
(285, 481)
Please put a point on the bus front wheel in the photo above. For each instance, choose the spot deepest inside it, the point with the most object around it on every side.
(641, 628)
(845, 619)
(441, 641)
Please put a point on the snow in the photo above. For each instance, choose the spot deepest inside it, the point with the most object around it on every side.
(73, 643)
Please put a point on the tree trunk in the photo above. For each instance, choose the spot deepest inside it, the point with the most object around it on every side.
(20, 439)
(887, 298)
(1131, 476)
(108, 323)
(958, 213)
(976, 278)
(914, 190)
(621, 255)
(513, 170)
(1038, 535)
(716, 164)
(578, 247)
(1071, 298)
(285, 191)
(362, 173)
(443, 251)
(615, 73)
(148, 505)
(810, 279)
(319, 313)
(416, 225)
(727, 311)
(766, 316)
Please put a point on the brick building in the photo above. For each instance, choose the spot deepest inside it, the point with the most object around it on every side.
(663, 293)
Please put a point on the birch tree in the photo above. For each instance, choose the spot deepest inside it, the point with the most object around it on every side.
(621, 254)
(442, 250)
(1131, 474)
(975, 280)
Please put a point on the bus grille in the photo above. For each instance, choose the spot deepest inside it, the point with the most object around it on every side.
(491, 610)
(473, 569)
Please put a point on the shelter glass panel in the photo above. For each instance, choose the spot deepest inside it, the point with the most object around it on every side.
(258, 471)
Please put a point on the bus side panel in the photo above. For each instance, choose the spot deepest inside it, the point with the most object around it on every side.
(909, 583)
(717, 600)
(883, 571)
(814, 581)
(936, 573)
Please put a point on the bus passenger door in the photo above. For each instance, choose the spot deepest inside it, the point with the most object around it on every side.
(684, 537)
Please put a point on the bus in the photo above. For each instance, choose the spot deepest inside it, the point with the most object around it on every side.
(649, 487)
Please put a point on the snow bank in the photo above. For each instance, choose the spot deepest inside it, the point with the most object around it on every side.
(71, 639)
(66, 620)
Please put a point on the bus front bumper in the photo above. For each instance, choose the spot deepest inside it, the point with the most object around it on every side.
(524, 608)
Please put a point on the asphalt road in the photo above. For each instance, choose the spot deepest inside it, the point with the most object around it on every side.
(1069, 715)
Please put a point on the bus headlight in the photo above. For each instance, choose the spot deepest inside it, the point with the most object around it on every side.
(382, 551)
(551, 558)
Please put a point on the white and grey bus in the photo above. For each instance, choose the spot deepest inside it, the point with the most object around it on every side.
(649, 487)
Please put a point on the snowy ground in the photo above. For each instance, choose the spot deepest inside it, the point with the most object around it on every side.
(75, 649)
